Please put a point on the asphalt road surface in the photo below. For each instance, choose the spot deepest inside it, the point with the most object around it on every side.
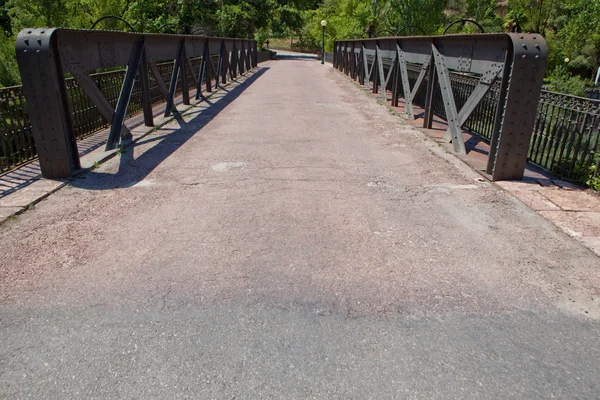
(293, 240)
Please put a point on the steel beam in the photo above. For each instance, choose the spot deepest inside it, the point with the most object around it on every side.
(44, 88)
(45, 55)
(133, 68)
(515, 63)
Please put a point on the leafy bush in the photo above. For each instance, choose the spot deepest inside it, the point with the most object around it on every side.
(563, 82)
(594, 176)
(261, 36)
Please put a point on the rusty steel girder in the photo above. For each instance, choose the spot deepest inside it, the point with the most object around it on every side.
(45, 55)
(515, 63)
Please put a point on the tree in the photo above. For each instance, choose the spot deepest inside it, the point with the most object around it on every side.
(426, 14)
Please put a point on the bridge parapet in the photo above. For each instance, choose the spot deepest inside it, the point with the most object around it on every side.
(46, 55)
(511, 65)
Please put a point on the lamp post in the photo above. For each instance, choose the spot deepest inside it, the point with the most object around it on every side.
(323, 25)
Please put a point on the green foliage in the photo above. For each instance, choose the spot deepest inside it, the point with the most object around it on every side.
(593, 180)
(9, 71)
(564, 82)
(426, 14)
(261, 36)
(568, 25)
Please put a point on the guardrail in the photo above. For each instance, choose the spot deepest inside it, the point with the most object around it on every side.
(61, 110)
(16, 140)
(566, 137)
(508, 70)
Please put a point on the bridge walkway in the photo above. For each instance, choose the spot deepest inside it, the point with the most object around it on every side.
(293, 240)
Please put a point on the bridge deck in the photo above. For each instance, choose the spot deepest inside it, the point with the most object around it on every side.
(293, 240)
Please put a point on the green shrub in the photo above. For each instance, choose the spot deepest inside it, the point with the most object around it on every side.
(594, 176)
(563, 82)
(261, 36)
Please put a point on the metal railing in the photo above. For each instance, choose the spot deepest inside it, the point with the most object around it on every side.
(16, 141)
(487, 83)
(64, 109)
(566, 134)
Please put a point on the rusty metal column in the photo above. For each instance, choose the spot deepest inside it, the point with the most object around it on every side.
(44, 88)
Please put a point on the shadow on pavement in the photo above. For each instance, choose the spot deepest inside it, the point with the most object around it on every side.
(132, 171)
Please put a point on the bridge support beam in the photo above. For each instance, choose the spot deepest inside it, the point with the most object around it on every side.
(44, 89)
(45, 55)
(506, 72)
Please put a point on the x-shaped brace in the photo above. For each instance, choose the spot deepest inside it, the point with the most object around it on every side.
(383, 80)
(485, 84)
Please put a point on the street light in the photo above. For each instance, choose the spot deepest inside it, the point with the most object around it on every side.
(323, 24)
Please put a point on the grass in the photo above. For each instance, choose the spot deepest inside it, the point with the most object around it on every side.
(280, 43)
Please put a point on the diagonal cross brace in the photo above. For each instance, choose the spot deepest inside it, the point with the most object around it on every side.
(484, 85)
(420, 78)
(158, 78)
(368, 71)
(133, 67)
(383, 80)
(93, 92)
(403, 70)
(458, 141)
(177, 70)
(203, 72)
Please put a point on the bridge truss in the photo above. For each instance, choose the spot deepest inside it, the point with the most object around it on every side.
(405, 67)
(45, 56)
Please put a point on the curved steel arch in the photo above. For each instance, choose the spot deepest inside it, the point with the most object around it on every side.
(385, 30)
(397, 33)
(113, 17)
(412, 26)
(463, 20)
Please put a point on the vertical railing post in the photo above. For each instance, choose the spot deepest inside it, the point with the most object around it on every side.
(185, 89)
(47, 105)
(375, 72)
(335, 45)
(520, 107)
(174, 77)
(430, 93)
(145, 89)
(133, 68)
(202, 71)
